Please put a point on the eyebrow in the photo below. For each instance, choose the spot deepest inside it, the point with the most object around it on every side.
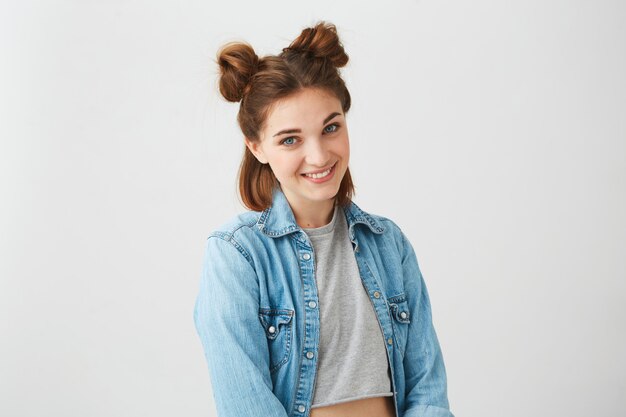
(326, 120)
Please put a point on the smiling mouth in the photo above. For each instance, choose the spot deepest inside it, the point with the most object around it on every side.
(321, 174)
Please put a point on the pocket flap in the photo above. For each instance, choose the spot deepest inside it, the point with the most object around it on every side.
(274, 320)
(399, 307)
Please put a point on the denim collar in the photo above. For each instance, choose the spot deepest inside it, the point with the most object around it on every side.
(278, 219)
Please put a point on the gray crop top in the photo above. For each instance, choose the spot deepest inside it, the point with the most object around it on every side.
(352, 357)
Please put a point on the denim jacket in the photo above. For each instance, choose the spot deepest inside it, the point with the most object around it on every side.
(258, 320)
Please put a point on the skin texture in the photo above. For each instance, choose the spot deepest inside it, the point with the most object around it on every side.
(317, 146)
(369, 407)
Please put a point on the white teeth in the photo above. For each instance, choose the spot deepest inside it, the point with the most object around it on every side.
(320, 175)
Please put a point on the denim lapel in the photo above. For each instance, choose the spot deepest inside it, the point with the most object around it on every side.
(278, 219)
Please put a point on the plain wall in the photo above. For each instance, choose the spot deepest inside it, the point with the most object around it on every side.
(492, 132)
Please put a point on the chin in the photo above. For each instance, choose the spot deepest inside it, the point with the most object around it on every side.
(325, 196)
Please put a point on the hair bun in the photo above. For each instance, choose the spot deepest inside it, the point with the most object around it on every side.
(320, 41)
(238, 63)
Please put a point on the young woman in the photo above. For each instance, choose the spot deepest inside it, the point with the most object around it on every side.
(308, 305)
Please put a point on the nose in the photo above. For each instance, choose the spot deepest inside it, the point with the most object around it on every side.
(317, 153)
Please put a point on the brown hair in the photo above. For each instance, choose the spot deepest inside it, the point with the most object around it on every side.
(312, 60)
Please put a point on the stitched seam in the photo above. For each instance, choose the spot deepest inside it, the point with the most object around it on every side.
(227, 237)
(397, 298)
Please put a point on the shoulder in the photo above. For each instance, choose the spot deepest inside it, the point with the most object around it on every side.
(235, 232)
(236, 225)
(389, 226)
(392, 233)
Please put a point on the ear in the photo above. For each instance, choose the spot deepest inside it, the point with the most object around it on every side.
(255, 148)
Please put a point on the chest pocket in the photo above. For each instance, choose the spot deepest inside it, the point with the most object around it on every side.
(401, 317)
(278, 325)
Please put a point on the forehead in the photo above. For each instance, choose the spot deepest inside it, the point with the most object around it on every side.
(308, 106)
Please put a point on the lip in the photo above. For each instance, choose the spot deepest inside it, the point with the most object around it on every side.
(328, 177)
(320, 170)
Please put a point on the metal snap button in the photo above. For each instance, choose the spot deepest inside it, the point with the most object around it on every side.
(310, 355)
(403, 314)
(390, 341)
(376, 294)
(306, 256)
(312, 304)
(272, 329)
(301, 408)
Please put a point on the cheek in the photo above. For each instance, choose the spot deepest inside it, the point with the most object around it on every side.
(284, 166)
(344, 148)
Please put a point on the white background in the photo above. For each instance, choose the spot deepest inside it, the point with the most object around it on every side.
(492, 132)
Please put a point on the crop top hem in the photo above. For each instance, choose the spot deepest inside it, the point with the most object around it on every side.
(359, 397)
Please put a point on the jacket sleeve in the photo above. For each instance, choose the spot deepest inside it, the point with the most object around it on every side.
(424, 369)
(234, 341)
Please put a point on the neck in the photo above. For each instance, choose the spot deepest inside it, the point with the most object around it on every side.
(314, 215)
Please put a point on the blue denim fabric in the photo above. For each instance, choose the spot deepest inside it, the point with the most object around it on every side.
(257, 314)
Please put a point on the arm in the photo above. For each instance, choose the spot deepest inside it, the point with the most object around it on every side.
(425, 373)
(234, 341)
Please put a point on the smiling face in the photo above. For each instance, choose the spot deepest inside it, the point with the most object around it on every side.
(305, 142)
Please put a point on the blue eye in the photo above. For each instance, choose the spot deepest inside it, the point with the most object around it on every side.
(288, 141)
(334, 125)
